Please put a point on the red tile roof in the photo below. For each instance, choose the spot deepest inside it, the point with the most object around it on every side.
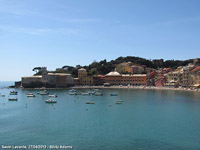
(196, 69)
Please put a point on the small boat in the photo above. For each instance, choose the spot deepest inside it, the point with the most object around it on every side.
(53, 95)
(43, 92)
(85, 94)
(2, 95)
(90, 102)
(72, 90)
(113, 94)
(12, 99)
(98, 94)
(30, 95)
(119, 102)
(72, 93)
(91, 92)
(51, 101)
(13, 92)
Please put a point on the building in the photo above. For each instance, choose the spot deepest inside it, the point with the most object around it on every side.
(186, 79)
(82, 73)
(113, 78)
(196, 61)
(76, 81)
(124, 67)
(160, 80)
(174, 78)
(18, 84)
(99, 79)
(136, 69)
(83, 78)
(135, 79)
(48, 80)
(195, 76)
(151, 78)
(59, 80)
(33, 82)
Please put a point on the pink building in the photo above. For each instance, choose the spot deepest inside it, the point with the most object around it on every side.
(160, 82)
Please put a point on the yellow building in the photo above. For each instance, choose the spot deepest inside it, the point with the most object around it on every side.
(195, 75)
(83, 79)
(174, 78)
(124, 67)
(82, 73)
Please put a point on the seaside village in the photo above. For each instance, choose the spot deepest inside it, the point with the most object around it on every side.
(125, 74)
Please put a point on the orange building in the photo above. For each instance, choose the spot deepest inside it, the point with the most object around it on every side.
(136, 79)
(113, 78)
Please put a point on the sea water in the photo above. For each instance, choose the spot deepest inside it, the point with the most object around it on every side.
(146, 120)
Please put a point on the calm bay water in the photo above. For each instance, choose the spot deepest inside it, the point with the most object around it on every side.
(147, 119)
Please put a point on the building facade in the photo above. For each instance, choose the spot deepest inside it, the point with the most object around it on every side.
(83, 78)
(113, 78)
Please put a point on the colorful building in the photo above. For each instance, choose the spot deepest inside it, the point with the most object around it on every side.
(99, 79)
(136, 79)
(195, 75)
(160, 80)
(113, 78)
(83, 78)
(136, 69)
(124, 67)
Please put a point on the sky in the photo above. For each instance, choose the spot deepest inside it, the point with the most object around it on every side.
(54, 33)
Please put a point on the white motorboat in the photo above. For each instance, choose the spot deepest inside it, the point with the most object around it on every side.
(51, 101)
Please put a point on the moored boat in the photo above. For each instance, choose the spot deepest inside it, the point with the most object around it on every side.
(85, 94)
(113, 94)
(43, 92)
(72, 90)
(12, 99)
(119, 102)
(98, 94)
(89, 102)
(13, 92)
(30, 95)
(50, 101)
(72, 93)
(53, 95)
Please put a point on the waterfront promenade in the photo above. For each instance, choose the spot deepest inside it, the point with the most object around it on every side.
(140, 87)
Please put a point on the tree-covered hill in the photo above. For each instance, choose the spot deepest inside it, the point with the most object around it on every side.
(103, 67)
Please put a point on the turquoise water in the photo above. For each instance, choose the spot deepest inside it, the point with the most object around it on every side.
(146, 120)
(6, 83)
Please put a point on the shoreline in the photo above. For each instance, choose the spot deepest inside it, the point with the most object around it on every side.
(118, 87)
(137, 87)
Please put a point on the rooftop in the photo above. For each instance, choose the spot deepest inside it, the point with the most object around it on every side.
(59, 74)
(113, 73)
(135, 75)
(83, 69)
(196, 69)
(32, 77)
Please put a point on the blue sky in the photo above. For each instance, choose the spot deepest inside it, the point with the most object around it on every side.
(55, 33)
